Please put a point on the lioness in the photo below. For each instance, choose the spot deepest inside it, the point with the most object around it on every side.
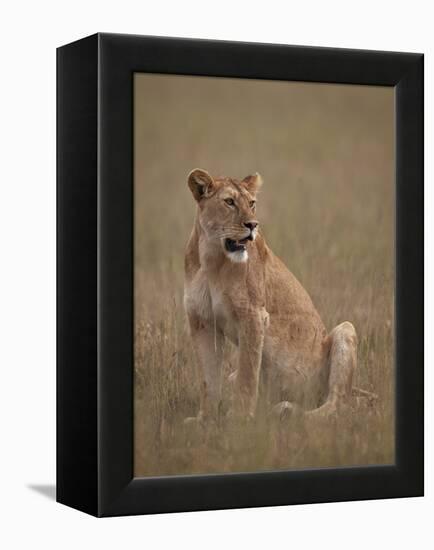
(236, 288)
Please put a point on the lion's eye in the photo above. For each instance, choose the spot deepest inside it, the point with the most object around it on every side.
(230, 202)
(252, 204)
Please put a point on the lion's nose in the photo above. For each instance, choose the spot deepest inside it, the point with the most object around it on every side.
(251, 225)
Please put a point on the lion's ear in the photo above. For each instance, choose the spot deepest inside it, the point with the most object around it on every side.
(200, 183)
(253, 183)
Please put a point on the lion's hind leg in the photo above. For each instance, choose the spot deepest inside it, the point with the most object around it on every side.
(342, 366)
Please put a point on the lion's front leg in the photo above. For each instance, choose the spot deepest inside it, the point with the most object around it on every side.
(208, 345)
(251, 343)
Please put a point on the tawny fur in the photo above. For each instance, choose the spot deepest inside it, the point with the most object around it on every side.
(251, 298)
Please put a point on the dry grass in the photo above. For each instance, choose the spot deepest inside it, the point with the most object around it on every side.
(326, 155)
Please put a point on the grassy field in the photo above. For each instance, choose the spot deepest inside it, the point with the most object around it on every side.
(326, 153)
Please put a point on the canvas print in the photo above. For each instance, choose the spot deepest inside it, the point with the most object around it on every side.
(264, 240)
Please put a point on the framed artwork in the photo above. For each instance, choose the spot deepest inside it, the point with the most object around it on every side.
(240, 275)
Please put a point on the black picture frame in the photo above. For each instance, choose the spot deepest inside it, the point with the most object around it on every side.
(95, 274)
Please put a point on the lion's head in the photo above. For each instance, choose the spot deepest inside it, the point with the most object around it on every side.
(226, 210)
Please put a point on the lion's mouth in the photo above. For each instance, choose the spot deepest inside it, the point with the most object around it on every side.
(237, 246)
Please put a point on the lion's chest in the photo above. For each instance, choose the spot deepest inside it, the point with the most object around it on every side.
(223, 315)
(211, 305)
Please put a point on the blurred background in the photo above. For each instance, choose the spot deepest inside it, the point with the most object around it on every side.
(326, 154)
